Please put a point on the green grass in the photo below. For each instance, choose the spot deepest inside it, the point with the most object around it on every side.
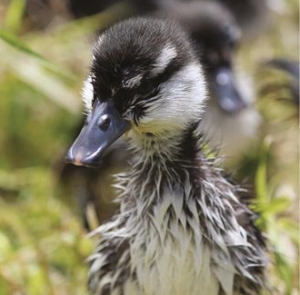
(42, 244)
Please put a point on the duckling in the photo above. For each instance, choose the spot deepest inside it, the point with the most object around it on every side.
(253, 16)
(181, 228)
(292, 69)
(232, 122)
(80, 8)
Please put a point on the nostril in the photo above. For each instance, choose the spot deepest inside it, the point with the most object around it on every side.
(104, 122)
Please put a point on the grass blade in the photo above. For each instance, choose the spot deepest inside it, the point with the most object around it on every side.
(14, 15)
(16, 43)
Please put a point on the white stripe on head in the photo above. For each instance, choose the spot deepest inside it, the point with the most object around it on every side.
(100, 40)
(167, 54)
(180, 101)
(87, 93)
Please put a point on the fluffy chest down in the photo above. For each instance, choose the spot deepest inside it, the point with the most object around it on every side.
(166, 254)
(177, 267)
(176, 238)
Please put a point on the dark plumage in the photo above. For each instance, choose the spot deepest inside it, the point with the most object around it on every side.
(253, 16)
(80, 8)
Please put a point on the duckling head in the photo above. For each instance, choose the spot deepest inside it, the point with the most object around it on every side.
(144, 81)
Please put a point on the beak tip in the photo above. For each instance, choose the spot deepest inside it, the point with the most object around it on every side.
(79, 160)
(72, 159)
(229, 97)
(93, 140)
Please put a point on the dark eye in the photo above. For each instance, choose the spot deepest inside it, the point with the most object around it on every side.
(104, 122)
(212, 57)
(231, 43)
(146, 88)
(231, 36)
(94, 99)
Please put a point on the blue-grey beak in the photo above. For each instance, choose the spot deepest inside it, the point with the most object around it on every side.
(224, 90)
(102, 128)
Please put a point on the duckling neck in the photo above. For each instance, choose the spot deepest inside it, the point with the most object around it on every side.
(166, 147)
(165, 166)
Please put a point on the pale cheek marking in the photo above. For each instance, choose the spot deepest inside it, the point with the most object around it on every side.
(182, 99)
(168, 53)
(87, 93)
(100, 40)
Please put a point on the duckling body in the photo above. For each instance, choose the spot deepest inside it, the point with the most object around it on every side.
(181, 228)
(180, 235)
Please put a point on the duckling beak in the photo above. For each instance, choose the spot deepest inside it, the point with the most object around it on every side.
(103, 126)
(224, 89)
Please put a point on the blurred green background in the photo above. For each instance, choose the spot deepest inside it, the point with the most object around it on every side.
(43, 245)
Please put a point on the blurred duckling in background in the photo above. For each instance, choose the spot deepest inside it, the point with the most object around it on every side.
(252, 16)
(292, 69)
(83, 8)
(278, 88)
(231, 123)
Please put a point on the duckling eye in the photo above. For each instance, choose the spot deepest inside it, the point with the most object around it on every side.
(213, 57)
(233, 44)
(104, 122)
(146, 88)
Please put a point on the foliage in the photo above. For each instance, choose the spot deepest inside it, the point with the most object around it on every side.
(273, 208)
(42, 243)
